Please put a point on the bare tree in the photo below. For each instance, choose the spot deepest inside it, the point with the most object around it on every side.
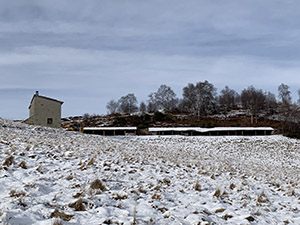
(227, 99)
(164, 98)
(128, 104)
(189, 98)
(284, 94)
(151, 107)
(285, 98)
(201, 98)
(86, 120)
(152, 104)
(207, 93)
(112, 106)
(143, 108)
(270, 103)
(253, 100)
(183, 106)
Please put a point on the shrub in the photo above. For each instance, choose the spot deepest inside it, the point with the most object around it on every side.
(61, 215)
(97, 184)
(23, 165)
(217, 193)
(16, 194)
(197, 186)
(78, 205)
(158, 116)
(262, 198)
(8, 161)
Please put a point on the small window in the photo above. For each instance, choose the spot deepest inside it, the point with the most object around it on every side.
(49, 121)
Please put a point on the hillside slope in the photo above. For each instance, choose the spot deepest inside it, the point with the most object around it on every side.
(158, 119)
(48, 175)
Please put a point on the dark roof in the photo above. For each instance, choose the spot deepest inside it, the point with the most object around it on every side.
(51, 99)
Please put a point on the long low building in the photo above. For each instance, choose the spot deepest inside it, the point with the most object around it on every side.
(186, 131)
(110, 131)
(216, 131)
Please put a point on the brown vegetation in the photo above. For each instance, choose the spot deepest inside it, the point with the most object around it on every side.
(78, 205)
(57, 222)
(97, 184)
(8, 161)
(61, 215)
(23, 165)
(16, 194)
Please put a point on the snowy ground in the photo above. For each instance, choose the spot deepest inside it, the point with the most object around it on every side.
(49, 176)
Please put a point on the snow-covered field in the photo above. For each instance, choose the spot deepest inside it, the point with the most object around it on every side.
(50, 176)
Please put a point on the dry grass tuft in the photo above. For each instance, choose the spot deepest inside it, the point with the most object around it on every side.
(156, 196)
(91, 161)
(217, 193)
(197, 186)
(57, 222)
(39, 169)
(134, 216)
(290, 192)
(30, 185)
(22, 203)
(166, 181)
(262, 198)
(78, 205)
(120, 196)
(61, 215)
(82, 167)
(257, 213)
(250, 218)
(8, 161)
(97, 184)
(132, 171)
(207, 212)
(78, 195)
(224, 194)
(1, 213)
(16, 194)
(157, 188)
(70, 177)
(163, 209)
(232, 186)
(227, 216)
(23, 165)
(142, 190)
(220, 210)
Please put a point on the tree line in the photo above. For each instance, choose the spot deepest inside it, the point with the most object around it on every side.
(201, 99)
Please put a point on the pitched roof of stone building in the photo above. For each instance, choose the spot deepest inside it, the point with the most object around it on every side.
(40, 96)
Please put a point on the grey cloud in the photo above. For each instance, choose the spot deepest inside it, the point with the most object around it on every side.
(87, 53)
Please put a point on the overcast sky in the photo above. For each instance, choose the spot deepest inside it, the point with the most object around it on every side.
(86, 53)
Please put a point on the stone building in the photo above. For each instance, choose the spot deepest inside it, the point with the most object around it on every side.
(44, 111)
